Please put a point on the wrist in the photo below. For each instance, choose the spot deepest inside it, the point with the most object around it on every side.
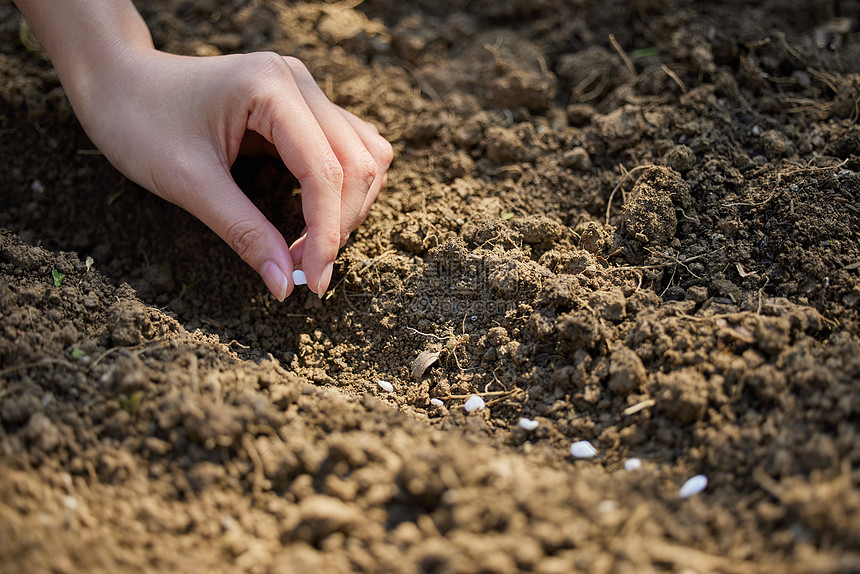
(88, 41)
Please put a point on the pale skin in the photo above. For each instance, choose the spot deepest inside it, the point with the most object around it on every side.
(175, 125)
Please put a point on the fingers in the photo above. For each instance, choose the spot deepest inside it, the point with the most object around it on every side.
(280, 113)
(215, 200)
(349, 140)
(297, 249)
(382, 154)
(339, 160)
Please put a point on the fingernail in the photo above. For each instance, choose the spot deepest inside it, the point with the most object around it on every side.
(275, 279)
(325, 278)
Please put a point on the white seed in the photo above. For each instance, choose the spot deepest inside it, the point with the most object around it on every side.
(694, 486)
(437, 402)
(583, 449)
(528, 424)
(607, 506)
(299, 277)
(632, 464)
(475, 403)
(386, 386)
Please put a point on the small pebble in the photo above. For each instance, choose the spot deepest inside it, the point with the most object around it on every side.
(632, 464)
(475, 403)
(583, 449)
(299, 277)
(528, 424)
(694, 486)
(437, 402)
(386, 386)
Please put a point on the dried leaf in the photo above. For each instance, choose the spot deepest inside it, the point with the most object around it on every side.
(422, 362)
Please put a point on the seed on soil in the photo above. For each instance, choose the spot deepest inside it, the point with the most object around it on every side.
(422, 362)
(475, 403)
(607, 506)
(69, 502)
(632, 464)
(437, 402)
(299, 277)
(528, 424)
(694, 486)
(582, 449)
(386, 386)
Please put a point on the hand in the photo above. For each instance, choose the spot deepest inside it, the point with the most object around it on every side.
(176, 124)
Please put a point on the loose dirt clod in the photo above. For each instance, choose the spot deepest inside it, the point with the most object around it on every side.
(649, 211)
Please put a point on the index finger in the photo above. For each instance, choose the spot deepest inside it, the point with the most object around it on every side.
(278, 111)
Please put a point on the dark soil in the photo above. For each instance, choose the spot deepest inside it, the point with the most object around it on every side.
(634, 222)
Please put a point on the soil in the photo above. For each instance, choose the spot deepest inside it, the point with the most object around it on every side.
(635, 223)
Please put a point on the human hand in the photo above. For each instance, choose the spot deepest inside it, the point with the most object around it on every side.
(176, 124)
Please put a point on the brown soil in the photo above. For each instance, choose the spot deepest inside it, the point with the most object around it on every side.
(634, 222)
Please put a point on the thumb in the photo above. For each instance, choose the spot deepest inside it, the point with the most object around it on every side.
(219, 203)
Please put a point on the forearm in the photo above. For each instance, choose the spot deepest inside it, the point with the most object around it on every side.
(86, 38)
(175, 124)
